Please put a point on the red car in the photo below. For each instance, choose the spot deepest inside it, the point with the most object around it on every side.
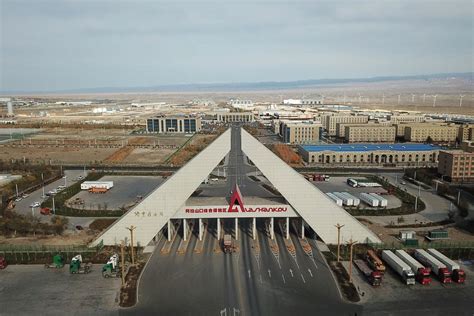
(3, 263)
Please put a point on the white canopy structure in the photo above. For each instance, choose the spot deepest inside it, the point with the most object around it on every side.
(313, 206)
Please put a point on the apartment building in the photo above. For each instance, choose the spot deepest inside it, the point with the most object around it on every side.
(370, 133)
(457, 165)
(331, 121)
(466, 132)
(173, 124)
(341, 127)
(437, 132)
(299, 132)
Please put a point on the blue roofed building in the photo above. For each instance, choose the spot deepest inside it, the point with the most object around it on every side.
(403, 154)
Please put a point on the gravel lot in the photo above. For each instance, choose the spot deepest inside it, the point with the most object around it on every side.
(33, 290)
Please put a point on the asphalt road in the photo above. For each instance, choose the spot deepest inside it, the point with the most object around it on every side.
(218, 284)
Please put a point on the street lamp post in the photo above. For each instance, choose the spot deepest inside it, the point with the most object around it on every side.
(131, 229)
(338, 240)
(54, 207)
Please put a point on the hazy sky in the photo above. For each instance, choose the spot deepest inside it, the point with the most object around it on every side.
(54, 45)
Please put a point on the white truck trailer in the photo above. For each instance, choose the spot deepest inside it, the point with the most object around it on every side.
(382, 201)
(436, 266)
(345, 200)
(422, 274)
(457, 274)
(336, 200)
(399, 266)
(369, 199)
(355, 200)
(86, 185)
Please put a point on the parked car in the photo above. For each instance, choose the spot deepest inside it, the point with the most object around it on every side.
(35, 204)
(18, 199)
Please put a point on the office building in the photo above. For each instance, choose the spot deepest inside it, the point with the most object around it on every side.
(370, 133)
(173, 124)
(331, 121)
(437, 132)
(299, 132)
(457, 165)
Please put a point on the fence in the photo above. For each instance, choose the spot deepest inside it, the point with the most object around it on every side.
(44, 253)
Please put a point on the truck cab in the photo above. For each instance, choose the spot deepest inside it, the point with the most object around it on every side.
(227, 244)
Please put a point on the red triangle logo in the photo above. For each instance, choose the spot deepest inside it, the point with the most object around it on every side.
(236, 201)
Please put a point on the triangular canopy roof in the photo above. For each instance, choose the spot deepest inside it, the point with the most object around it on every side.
(318, 211)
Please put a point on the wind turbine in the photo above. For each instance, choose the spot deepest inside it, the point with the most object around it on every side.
(460, 99)
(383, 98)
(360, 98)
(398, 99)
(322, 98)
(434, 100)
(413, 98)
(424, 96)
(344, 98)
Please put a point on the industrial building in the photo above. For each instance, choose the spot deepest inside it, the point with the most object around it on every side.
(437, 132)
(369, 133)
(173, 124)
(371, 154)
(302, 202)
(316, 101)
(457, 165)
(302, 132)
(241, 104)
(229, 117)
(330, 121)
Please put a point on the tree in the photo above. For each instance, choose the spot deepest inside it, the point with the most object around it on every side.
(429, 140)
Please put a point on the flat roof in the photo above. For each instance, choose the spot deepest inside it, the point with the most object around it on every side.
(371, 147)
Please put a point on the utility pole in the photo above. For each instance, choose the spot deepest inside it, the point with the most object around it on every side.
(131, 229)
(351, 244)
(338, 240)
(122, 251)
(42, 180)
(54, 208)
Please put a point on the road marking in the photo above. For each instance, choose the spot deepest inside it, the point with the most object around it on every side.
(269, 273)
(291, 272)
(249, 275)
(283, 277)
(261, 280)
(304, 281)
(310, 273)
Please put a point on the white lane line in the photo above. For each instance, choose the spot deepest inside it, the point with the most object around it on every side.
(269, 273)
(261, 280)
(283, 277)
(291, 272)
(249, 274)
(310, 273)
(304, 281)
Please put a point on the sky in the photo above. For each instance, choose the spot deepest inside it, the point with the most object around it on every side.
(61, 45)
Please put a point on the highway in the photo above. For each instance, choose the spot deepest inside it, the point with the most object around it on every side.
(251, 281)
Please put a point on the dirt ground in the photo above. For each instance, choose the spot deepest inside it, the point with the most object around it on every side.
(148, 156)
(78, 238)
(389, 235)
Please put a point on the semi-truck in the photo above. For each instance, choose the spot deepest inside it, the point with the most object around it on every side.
(345, 200)
(399, 266)
(369, 199)
(457, 274)
(336, 200)
(227, 242)
(373, 277)
(355, 200)
(422, 274)
(436, 266)
(382, 201)
(374, 261)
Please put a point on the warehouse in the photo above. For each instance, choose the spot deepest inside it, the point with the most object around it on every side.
(370, 154)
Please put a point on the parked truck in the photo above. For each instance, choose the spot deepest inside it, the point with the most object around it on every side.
(112, 268)
(422, 274)
(382, 201)
(345, 200)
(369, 199)
(399, 266)
(457, 274)
(436, 266)
(374, 261)
(228, 247)
(373, 277)
(76, 266)
(336, 200)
